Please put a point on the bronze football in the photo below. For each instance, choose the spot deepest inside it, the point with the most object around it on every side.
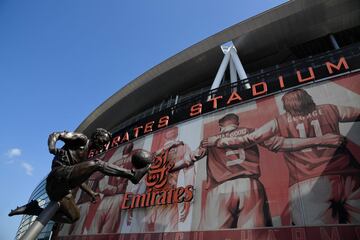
(141, 158)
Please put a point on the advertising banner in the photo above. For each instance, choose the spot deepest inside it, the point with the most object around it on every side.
(286, 166)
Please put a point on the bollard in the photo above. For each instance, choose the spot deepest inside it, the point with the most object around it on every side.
(41, 221)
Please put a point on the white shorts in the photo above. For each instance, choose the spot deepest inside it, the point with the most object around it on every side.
(331, 199)
(163, 218)
(237, 203)
(133, 221)
(108, 215)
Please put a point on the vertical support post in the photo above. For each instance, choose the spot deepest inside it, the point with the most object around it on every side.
(334, 42)
(41, 221)
(239, 67)
(176, 101)
(235, 66)
(221, 71)
(233, 76)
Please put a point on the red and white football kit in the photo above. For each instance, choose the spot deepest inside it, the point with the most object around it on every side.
(324, 181)
(108, 215)
(236, 198)
(134, 220)
(166, 218)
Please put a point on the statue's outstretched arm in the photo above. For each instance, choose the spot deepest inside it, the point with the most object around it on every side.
(53, 138)
(63, 136)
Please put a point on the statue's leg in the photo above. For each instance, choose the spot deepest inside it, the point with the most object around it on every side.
(31, 208)
(68, 212)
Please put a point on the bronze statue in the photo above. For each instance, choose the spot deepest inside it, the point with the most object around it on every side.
(70, 169)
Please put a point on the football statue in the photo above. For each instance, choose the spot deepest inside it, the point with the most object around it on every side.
(71, 169)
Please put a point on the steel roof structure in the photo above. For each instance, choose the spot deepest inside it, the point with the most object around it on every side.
(262, 41)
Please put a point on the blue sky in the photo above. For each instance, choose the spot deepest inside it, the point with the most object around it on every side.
(59, 60)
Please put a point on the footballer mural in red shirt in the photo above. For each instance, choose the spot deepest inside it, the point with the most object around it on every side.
(282, 167)
(323, 173)
(167, 218)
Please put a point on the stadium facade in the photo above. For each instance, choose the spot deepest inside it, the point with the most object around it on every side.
(40, 195)
(251, 117)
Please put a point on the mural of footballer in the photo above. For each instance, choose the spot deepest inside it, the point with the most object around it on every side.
(324, 175)
(134, 220)
(166, 218)
(108, 216)
(236, 198)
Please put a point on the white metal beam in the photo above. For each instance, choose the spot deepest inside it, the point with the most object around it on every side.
(221, 71)
(235, 67)
(334, 42)
(238, 65)
(233, 76)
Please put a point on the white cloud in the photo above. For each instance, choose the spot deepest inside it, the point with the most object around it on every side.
(14, 152)
(28, 168)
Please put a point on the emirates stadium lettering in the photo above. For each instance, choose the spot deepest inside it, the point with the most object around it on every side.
(158, 190)
(262, 87)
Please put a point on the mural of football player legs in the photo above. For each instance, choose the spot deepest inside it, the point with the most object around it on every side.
(79, 226)
(105, 220)
(134, 220)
